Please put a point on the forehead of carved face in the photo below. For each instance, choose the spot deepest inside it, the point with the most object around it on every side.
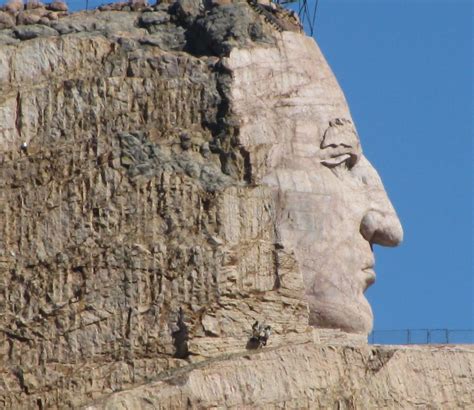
(285, 99)
(331, 204)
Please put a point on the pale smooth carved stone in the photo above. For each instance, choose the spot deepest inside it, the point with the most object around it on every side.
(331, 206)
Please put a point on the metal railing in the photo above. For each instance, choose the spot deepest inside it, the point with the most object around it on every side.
(422, 336)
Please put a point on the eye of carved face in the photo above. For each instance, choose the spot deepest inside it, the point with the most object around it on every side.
(340, 144)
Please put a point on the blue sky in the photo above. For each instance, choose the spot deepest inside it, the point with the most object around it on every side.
(406, 69)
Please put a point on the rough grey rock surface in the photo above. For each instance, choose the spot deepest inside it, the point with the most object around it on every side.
(33, 31)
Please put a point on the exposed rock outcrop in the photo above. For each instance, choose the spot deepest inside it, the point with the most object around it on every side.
(137, 246)
(313, 376)
(126, 200)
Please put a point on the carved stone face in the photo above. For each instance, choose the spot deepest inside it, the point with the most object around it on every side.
(331, 206)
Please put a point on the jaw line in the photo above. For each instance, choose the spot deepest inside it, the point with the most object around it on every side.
(356, 317)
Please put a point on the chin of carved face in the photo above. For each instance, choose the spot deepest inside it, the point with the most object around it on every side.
(353, 315)
(332, 206)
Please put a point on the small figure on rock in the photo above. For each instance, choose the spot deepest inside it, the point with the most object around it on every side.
(260, 335)
(185, 141)
(24, 148)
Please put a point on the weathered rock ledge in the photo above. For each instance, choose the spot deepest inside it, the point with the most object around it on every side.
(312, 375)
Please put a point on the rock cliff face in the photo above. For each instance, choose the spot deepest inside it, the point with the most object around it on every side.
(135, 239)
(126, 200)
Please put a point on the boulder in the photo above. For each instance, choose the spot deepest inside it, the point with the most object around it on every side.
(6, 20)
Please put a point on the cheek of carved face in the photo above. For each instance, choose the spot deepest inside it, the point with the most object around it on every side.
(331, 205)
(325, 205)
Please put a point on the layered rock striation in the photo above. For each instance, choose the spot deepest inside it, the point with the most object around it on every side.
(127, 199)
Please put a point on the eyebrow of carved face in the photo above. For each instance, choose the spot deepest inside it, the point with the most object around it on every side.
(341, 132)
(340, 144)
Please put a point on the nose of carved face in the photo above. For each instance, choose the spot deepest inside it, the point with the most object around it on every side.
(381, 228)
(380, 224)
